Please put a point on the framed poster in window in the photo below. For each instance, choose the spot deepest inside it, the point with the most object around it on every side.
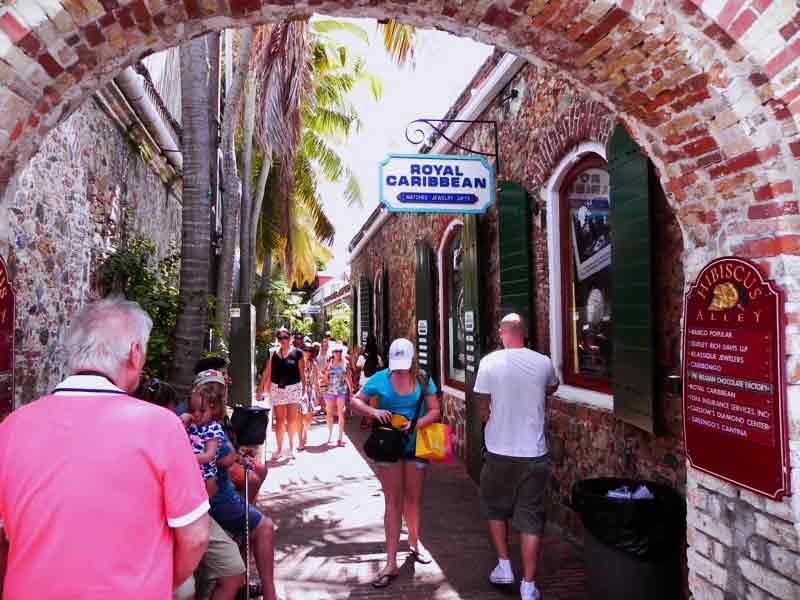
(586, 284)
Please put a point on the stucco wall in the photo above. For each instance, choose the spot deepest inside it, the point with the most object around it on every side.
(65, 212)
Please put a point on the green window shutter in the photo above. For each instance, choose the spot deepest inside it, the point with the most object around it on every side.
(365, 310)
(633, 377)
(427, 350)
(472, 305)
(353, 316)
(514, 223)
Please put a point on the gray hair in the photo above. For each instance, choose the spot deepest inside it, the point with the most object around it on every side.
(515, 323)
(101, 335)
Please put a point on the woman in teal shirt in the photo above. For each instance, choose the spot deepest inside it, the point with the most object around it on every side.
(398, 393)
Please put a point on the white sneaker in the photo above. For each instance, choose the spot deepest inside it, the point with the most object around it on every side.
(528, 591)
(501, 576)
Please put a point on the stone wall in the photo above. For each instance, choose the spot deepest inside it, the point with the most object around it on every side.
(741, 545)
(66, 210)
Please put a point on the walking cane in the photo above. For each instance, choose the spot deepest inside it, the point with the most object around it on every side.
(247, 531)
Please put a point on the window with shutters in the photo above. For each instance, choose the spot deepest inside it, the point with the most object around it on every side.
(585, 231)
(453, 303)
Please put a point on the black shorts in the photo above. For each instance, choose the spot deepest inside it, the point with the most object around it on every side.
(514, 488)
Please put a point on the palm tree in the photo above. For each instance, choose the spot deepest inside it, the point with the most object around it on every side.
(302, 77)
(232, 183)
(195, 235)
(282, 78)
(327, 117)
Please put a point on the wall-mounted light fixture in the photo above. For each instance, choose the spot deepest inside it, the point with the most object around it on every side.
(511, 95)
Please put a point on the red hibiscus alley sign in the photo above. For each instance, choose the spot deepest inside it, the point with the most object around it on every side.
(7, 320)
(734, 405)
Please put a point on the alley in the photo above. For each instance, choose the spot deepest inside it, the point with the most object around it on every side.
(328, 508)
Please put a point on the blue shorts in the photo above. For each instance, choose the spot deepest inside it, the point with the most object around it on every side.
(229, 513)
(408, 456)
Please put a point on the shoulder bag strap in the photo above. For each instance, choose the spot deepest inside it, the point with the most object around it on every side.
(423, 386)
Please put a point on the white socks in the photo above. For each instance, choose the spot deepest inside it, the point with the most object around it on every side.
(504, 564)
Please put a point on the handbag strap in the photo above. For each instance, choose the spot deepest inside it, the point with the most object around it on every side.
(422, 387)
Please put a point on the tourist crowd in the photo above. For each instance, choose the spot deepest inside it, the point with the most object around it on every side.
(111, 487)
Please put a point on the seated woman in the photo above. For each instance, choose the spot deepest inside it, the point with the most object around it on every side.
(257, 472)
(228, 508)
(222, 565)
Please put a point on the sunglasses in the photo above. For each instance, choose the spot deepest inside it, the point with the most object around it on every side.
(283, 337)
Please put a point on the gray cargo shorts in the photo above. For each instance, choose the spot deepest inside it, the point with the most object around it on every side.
(514, 488)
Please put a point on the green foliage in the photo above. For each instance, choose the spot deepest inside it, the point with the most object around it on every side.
(284, 312)
(340, 322)
(326, 26)
(133, 272)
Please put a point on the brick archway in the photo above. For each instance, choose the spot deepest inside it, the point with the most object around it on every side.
(711, 94)
(709, 88)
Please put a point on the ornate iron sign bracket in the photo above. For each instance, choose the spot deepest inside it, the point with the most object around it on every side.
(416, 134)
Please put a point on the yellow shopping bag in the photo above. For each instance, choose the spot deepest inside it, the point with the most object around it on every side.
(434, 442)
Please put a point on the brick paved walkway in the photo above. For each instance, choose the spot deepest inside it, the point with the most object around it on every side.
(328, 507)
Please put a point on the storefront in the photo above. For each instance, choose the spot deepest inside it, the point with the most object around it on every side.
(446, 280)
(585, 243)
(582, 242)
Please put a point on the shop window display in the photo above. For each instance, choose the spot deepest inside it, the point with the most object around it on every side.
(586, 286)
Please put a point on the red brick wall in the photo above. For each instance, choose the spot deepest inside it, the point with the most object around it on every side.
(394, 244)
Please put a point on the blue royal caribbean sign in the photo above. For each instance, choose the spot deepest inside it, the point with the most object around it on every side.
(431, 183)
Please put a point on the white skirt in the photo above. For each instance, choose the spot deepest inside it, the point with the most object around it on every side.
(291, 394)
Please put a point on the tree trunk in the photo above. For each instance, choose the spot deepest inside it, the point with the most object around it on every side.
(191, 327)
(261, 304)
(248, 127)
(232, 186)
(255, 216)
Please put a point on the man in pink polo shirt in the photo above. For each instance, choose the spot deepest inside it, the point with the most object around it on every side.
(100, 494)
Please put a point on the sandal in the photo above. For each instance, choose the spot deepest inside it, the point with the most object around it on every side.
(420, 557)
(384, 580)
(340, 444)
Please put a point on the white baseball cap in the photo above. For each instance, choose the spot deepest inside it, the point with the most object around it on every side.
(401, 355)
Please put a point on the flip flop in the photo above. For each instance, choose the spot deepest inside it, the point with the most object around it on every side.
(419, 557)
(384, 580)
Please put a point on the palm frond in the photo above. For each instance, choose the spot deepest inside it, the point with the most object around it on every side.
(352, 190)
(317, 150)
(332, 89)
(398, 41)
(306, 196)
(332, 124)
(327, 26)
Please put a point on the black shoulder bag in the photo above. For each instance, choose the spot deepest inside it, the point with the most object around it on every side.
(387, 444)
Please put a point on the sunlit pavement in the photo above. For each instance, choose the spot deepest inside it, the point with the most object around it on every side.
(328, 507)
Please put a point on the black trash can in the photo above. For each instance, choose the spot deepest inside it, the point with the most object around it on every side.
(632, 546)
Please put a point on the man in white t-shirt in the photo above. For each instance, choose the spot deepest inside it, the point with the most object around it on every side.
(515, 381)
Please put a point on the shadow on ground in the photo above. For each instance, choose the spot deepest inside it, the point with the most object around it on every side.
(329, 511)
